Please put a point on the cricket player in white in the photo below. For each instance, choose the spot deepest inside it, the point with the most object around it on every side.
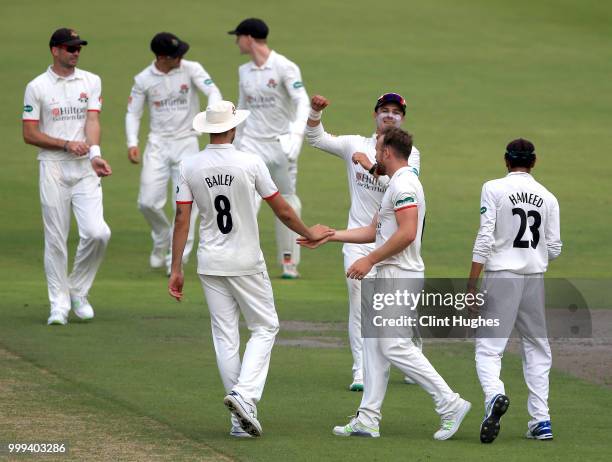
(61, 117)
(271, 88)
(169, 87)
(223, 183)
(366, 190)
(397, 231)
(519, 233)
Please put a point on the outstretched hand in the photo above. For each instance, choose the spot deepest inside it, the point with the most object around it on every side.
(318, 232)
(312, 244)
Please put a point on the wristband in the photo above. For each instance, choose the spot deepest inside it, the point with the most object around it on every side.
(315, 115)
(94, 151)
(372, 169)
(65, 148)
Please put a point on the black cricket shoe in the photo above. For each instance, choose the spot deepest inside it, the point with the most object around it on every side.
(490, 426)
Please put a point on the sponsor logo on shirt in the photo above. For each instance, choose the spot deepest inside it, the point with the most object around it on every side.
(83, 98)
(184, 89)
(483, 210)
(61, 114)
(404, 201)
(297, 85)
(171, 104)
(208, 82)
(28, 108)
(272, 83)
(260, 102)
(367, 181)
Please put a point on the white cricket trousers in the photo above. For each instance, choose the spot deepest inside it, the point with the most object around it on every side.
(352, 253)
(160, 162)
(380, 353)
(227, 297)
(65, 186)
(277, 162)
(517, 301)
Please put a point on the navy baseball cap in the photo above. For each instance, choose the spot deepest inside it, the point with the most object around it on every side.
(391, 98)
(167, 44)
(254, 27)
(65, 36)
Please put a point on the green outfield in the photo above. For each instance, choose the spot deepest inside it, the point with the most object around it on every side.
(476, 74)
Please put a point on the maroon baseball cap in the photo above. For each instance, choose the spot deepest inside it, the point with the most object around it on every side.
(65, 36)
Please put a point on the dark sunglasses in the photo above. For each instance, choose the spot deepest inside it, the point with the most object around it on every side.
(71, 48)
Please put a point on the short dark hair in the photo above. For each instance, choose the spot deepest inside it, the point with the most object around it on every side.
(520, 153)
(398, 139)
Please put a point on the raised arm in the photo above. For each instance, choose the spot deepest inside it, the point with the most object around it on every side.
(318, 138)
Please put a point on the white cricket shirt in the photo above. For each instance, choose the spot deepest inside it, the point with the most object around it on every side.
(172, 99)
(404, 191)
(60, 105)
(222, 181)
(365, 190)
(276, 97)
(519, 225)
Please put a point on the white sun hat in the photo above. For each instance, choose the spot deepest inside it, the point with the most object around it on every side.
(219, 117)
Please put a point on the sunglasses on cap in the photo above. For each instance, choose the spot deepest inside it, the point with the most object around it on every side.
(70, 48)
(391, 98)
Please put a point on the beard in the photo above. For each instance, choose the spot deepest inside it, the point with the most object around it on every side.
(380, 169)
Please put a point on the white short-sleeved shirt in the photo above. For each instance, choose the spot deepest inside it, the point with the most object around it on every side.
(519, 225)
(223, 182)
(60, 105)
(172, 99)
(404, 191)
(271, 92)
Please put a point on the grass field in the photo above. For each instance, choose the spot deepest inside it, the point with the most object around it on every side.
(476, 74)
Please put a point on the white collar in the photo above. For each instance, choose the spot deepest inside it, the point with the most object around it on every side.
(77, 74)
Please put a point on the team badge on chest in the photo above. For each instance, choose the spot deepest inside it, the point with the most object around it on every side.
(83, 98)
(184, 89)
(272, 83)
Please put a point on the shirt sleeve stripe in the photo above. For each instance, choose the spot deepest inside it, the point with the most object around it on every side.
(30, 120)
(272, 196)
(406, 207)
(184, 202)
(93, 110)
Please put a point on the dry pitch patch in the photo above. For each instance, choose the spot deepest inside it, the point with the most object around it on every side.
(37, 408)
(585, 358)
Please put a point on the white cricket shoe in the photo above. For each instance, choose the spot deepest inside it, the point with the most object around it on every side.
(451, 422)
(244, 412)
(236, 431)
(158, 256)
(290, 271)
(57, 318)
(81, 307)
(356, 428)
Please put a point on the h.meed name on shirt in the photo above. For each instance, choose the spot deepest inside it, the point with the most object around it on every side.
(531, 198)
(219, 180)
